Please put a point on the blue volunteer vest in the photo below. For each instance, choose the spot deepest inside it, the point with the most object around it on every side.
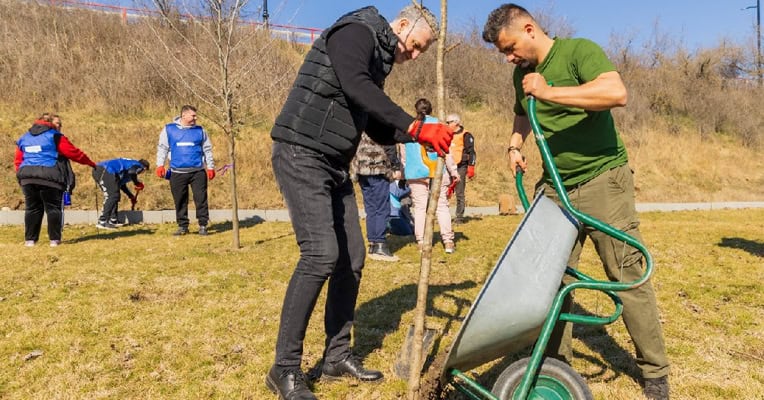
(185, 146)
(415, 167)
(39, 150)
(119, 165)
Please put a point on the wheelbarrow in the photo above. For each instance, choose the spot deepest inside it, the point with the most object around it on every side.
(521, 300)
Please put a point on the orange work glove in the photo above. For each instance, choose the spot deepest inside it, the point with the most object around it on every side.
(437, 135)
(210, 174)
(161, 171)
(470, 171)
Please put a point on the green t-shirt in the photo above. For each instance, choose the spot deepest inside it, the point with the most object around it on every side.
(584, 143)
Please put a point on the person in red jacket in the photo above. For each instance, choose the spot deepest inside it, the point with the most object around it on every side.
(44, 173)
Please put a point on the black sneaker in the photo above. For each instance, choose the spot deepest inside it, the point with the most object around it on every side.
(105, 225)
(657, 388)
(458, 221)
(289, 384)
(380, 252)
(180, 232)
(203, 230)
(116, 223)
(351, 366)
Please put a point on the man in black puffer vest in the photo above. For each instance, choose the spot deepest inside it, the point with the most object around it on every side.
(337, 95)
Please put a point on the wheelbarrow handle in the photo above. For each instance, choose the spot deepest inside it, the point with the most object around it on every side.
(554, 174)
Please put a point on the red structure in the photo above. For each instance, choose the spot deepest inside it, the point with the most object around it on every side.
(289, 32)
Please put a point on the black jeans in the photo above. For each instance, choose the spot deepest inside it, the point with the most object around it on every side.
(459, 191)
(109, 185)
(324, 215)
(179, 187)
(39, 200)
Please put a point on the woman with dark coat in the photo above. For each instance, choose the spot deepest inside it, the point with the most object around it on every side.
(44, 173)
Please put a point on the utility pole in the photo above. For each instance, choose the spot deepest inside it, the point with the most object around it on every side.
(758, 39)
(265, 14)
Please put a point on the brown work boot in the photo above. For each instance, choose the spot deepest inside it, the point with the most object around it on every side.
(656, 388)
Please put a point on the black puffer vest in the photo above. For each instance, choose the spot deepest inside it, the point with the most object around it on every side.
(316, 113)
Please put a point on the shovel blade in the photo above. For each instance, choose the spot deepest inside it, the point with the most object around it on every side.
(402, 365)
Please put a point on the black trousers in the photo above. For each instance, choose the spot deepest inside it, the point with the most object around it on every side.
(459, 190)
(109, 185)
(179, 184)
(39, 200)
(322, 208)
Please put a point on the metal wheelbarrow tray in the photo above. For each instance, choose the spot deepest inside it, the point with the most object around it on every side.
(508, 313)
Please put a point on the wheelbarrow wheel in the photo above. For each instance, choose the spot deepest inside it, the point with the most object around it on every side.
(555, 380)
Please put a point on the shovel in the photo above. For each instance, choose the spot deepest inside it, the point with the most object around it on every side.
(402, 365)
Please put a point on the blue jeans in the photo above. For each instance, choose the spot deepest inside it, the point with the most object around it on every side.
(376, 202)
(324, 215)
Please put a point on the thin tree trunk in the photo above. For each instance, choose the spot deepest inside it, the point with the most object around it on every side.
(234, 198)
(415, 368)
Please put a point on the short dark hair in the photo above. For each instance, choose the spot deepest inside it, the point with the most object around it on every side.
(502, 18)
(423, 108)
(187, 108)
(144, 162)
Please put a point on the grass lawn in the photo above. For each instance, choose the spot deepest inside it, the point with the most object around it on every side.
(138, 313)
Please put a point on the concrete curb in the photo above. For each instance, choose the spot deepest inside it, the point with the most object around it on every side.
(168, 216)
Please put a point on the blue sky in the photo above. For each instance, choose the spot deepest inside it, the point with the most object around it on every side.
(694, 23)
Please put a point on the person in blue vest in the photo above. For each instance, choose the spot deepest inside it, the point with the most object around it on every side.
(191, 164)
(43, 171)
(419, 165)
(111, 176)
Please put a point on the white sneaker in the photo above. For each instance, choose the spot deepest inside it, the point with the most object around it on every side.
(450, 248)
(54, 243)
(29, 243)
(105, 225)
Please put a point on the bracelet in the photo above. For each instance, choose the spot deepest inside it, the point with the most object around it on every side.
(513, 148)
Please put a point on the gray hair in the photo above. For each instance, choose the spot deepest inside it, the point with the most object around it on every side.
(454, 118)
(415, 14)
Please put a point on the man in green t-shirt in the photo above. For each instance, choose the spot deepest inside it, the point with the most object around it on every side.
(576, 86)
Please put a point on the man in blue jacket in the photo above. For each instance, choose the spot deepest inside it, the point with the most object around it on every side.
(111, 176)
(191, 164)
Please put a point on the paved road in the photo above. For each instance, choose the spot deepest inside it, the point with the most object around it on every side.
(168, 216)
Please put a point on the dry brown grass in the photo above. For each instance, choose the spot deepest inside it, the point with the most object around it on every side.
(138, 313)
(691, 129)
(684, 167)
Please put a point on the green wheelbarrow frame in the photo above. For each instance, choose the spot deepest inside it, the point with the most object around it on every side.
(473, 389)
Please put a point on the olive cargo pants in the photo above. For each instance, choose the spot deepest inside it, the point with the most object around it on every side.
(609, 197)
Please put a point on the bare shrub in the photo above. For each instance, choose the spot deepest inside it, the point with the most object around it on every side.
(90, 67)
